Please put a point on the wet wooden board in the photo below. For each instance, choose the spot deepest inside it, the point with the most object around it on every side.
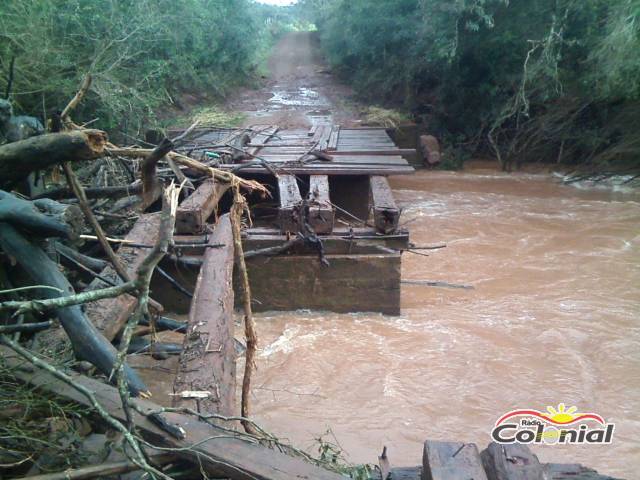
(385, 212)
(290, 201)
(261, 136)
(207, 362)
(110, 314)
(193, 212)
(330, 168)
(511, 462)
(368, 151)
(352, 283)
(451, 461)
(341, 241)
(321, 212)
(216, 449)
(332, 144)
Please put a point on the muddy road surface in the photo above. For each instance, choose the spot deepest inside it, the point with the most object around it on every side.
(299, 91)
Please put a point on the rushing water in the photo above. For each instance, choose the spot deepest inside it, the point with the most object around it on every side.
(553, 318)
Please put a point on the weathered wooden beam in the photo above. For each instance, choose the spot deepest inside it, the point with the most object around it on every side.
(193, 212)
(216, 449)
(342, 241)
(110, 314)
(290, 201)
(321, 212)
(451, 461)
(262, 136)
(385, 212)
(207, 363)
(352, 283)
(382, 151)
(332, 144)
(511, 462)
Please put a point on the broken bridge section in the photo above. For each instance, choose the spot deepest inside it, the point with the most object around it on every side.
(331, 231)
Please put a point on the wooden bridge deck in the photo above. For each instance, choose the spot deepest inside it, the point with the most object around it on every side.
(353, 151)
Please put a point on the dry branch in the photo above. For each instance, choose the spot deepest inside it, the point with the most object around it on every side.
(97, 228)
(150, 183)
(238, 208)
(221, 175)
(75, 101)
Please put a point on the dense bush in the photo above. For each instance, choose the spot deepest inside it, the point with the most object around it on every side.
(141, 53)
(538, 79)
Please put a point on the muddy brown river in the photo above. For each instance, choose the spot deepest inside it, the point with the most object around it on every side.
(553, 318)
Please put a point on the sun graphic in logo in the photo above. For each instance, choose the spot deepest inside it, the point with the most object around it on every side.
(562, 415)
(556, 416)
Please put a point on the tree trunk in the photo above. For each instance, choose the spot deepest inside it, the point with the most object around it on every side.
(18, 159)
(44, 217)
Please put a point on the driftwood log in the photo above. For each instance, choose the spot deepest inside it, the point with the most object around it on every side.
(19, 159)
(88, 343)
(44, 217)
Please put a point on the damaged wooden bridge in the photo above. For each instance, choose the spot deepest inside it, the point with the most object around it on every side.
(328, 237)
(330, 233)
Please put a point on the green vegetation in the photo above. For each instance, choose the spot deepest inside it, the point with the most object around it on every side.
(538, 80)
(142, 54)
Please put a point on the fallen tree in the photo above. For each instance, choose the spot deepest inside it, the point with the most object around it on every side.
(19, 159)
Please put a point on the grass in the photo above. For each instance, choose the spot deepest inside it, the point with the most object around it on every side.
(384, 117)
(211, 116)
(36, 428)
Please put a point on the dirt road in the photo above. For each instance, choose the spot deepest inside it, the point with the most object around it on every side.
(300, 90)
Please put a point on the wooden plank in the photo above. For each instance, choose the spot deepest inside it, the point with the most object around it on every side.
(451, 461)
(378, 152)
(339, 161)
(193, 212)
(321, 212)
(216, 449)
(207, 362)
(110, 314)
(333, 245)
(352, 283)
(385, 212)
(290, 201)
(261, 137)
(332, 145)
(511, 462)
(328, 168)
(322, 137)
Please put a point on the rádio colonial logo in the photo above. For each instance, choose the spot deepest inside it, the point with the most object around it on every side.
(561, 426)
